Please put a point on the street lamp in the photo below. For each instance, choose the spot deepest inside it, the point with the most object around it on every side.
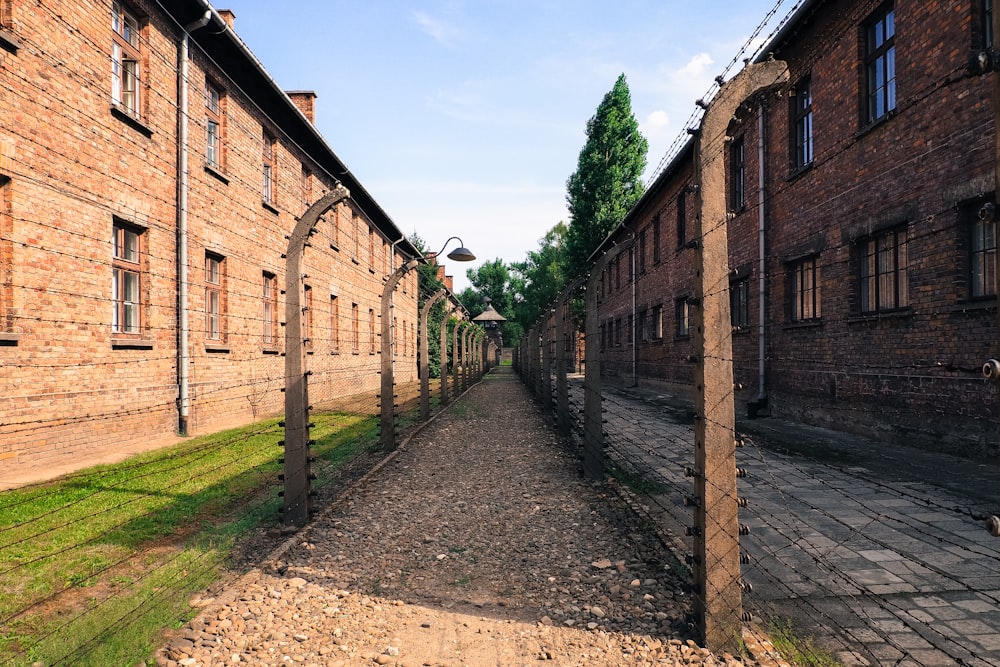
(387, 430)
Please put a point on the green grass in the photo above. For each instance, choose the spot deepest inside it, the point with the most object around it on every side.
(799, 651)
(94, 566)
(636, 483)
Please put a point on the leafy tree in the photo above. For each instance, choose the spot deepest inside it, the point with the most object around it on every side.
(608, 178)
(543, 274)
(495, 281)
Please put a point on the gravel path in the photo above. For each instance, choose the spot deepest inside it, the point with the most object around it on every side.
(477, 544)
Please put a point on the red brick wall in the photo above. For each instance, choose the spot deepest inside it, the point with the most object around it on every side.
(910, 375)
(77, 167)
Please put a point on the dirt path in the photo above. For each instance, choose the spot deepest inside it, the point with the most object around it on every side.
(478, 544)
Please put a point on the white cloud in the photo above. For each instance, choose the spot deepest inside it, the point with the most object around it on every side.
(657, 125)
(438, 30)
(696, 67)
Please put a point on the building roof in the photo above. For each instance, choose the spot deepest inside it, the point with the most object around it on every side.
(225, 48)
(489, 315)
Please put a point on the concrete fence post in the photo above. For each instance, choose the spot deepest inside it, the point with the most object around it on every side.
(718, 600)
(425, 376)
(593, 418)
(387, 427)
(444, 358)
(295, 508)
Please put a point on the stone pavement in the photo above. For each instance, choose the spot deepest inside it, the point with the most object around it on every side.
(874, 553)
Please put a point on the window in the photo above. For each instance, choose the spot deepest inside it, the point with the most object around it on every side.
(371, 331)
(604, 327)
(125, 73)
(355, 229)
(618, 331)
(334, 325)
(883, 276)
(737, 175)
(805, 290)
(642, 326)
(268, 158)
(880, 64)
(656, 323)
(269, 304)
(6, 256)
(307, 317)
(213, 126)
(802, 123)
(682, 313)
(682, 218)
(630, 334)
(127, 279)
(214, 306)
(618, 272)
(642, 251)
(656, 239)
(355, 322)
(987, 24)
(739, 305)
(983, 258)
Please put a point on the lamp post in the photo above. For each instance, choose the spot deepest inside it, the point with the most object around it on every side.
(387, 429)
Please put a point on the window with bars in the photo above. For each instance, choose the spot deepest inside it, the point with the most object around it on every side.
(656, 239)
(355, 326)
(987, 23)
(269, 309)
(126, 74)
(737, 175)
(656, 323)
(213, 126)
(880, 64)
(642, 251)
(6, 257)
(983, 259)
(681, 218)
(883, 272)
(127, 279)
(739, 305)
(806, 304)
(214, 302)
(682, 318)
(268, 159)
(802, 125)
(334, 325)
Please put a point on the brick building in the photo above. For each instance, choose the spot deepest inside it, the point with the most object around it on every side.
(863, 292)
(150, 170)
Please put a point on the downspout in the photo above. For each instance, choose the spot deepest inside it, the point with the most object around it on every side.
(762, 261)
(635, 320)
(183, 325)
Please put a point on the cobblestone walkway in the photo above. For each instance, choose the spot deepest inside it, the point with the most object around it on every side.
(878, 567)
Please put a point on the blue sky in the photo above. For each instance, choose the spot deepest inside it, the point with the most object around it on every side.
(466, 117)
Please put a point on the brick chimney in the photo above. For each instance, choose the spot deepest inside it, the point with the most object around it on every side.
(228, 16)
(305, 100)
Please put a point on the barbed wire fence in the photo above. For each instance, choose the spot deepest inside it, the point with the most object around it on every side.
(870, 570)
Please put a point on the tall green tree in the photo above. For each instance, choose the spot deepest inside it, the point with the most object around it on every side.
(608, 177)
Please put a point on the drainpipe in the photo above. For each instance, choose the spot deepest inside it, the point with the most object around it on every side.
(183, 326)
(635, 321)
(762, 260)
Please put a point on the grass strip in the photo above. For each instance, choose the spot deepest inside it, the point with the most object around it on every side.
(93, 567)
